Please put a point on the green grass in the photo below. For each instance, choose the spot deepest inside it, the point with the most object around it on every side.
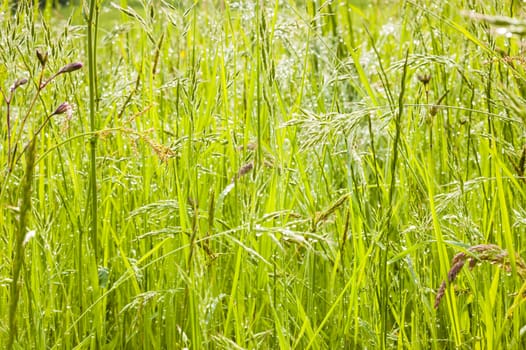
(267, 175)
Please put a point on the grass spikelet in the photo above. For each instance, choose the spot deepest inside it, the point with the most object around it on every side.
(245, 169)
(501, 25)
(479, 253)
(440, 293)
(324, 215)
(164, 153)
(522, 161)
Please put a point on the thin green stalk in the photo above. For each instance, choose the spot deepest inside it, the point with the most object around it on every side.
(258, 83)
(92, 74)
(392, 188)
(18, 260)
(398, 121)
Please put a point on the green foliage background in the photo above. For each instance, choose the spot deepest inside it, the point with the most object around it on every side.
(269, 175)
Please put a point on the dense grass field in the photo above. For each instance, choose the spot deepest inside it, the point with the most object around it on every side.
(263, 175)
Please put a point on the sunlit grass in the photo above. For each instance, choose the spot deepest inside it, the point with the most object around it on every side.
(268, 175)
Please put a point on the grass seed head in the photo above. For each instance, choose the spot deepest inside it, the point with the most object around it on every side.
(18, 83)
(70, 67)
(440, 294)
(245, 169)
(482, 252)
(42, 57)
(457, 266)
(522, 161)
(424, 78)
(63, 108)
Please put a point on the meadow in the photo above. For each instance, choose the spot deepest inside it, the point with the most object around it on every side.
(263, 175)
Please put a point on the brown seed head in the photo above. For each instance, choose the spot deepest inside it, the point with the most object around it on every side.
(245, 169)
(440, 294)
(455, 270)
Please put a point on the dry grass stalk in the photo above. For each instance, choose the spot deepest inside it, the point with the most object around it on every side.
(483, 252)
(164, 153)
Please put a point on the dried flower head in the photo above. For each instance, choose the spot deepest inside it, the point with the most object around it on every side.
(70, 67)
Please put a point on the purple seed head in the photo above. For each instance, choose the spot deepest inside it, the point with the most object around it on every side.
(18, 83)
(63, 108)
(70, 67)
